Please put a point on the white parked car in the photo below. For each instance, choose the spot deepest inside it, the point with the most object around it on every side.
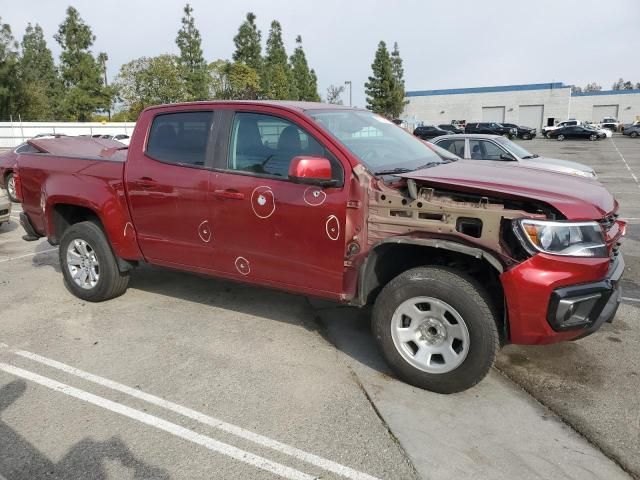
(5, 207)
(567, 123)
(121, 137)
(598, 128)
(610, 123)
(487, 148)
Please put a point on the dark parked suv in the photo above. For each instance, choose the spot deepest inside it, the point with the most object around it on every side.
(525, 133)
(491, 128)
(426, 132)
(451, 128)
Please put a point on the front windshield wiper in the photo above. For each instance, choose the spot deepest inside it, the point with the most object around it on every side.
(393, 171)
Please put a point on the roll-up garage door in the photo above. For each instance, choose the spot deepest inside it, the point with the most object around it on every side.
(493, 114)
(531, 116)
(602, 111)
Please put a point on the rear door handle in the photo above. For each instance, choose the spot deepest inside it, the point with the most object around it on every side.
(229, 194)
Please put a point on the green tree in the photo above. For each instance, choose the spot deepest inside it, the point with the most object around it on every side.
(277, 81)
(234, 81)
(85, 91)
(247, 42)
(39, 76)
(305, 85)
(398, 101)
(334, 94)
(10, 85)
(380, 87)
(149, 81)
(192, 64)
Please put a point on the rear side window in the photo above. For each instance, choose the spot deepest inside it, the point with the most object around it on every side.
(26, 148)
(180, 138)
(454, 146)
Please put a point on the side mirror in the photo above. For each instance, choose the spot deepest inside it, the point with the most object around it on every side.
(507, 157)
(311, 171)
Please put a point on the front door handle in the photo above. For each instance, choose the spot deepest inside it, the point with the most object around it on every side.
(229, 194)
(147, 182)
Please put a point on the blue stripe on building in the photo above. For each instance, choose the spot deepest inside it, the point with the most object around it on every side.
(500, 88)
(604, 92)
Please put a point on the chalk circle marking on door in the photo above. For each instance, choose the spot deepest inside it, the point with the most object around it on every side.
(263, 201)
(204, 231)
(332, 227)
(314, 196)
(242, 265)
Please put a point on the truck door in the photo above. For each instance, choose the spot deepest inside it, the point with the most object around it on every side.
(267, 228)
(167, 181)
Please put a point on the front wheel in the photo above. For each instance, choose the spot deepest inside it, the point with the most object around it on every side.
(526, 136)
(593, 138)
(560, 138)
(10, 182)
(88, 265)
(633, 134)
(436, 329)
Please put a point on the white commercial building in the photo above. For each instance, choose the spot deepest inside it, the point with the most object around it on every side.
(533, 105)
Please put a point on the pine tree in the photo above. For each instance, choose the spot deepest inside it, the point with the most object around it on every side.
(191, 61)
(10, 85)
(380, 87)
(398, 101)
(247, 42)
(277, 78)
(85, 91)
(39, 77)
(304, 81)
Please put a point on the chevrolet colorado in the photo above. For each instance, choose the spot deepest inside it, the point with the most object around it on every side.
(456, 257)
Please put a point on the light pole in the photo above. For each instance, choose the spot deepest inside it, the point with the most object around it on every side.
(102, 58)
(348, 82)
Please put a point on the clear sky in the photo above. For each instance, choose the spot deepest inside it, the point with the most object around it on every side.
(444, 44)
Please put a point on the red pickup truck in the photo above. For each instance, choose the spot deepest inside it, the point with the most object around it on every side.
(456, 257)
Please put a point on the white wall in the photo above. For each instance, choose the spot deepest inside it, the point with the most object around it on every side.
(436, 109)
(628, 106)
(13, 134)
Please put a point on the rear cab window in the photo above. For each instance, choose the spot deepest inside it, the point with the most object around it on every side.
(180, 138)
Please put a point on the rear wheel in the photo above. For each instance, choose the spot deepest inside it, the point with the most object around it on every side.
(88, 265)
(593, 137)
(436, 329)
(10, 182)
(560, 138)
(526, 136)
(633, 134)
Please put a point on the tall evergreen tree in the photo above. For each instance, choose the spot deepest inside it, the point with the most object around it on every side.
(85, 91)
(306, 85)
(277, 78)
(398, 103)
(247, 42)
(191, 61)
(39, 77)
(380, 87)
(10, 85)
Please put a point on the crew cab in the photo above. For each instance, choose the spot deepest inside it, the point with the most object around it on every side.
(456, 257)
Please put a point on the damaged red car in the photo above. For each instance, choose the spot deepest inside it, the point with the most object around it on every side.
(456, 257)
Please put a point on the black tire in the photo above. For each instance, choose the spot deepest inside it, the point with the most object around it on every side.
(111, 282)
(526, 136)
(11, 196)
(463, 294)
(594, 137)
(633, 134)
(560, 138)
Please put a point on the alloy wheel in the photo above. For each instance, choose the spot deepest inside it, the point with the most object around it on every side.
(83, 264)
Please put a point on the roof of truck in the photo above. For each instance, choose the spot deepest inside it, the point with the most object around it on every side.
(289, 104)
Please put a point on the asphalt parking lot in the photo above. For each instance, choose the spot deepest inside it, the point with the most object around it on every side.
(186, 377)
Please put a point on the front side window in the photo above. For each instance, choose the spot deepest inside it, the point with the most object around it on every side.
(180, 138)
(264, 144)
(26, 148)
(491, 150)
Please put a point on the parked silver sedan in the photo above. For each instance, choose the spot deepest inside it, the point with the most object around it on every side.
(497, 148)
(5, 207)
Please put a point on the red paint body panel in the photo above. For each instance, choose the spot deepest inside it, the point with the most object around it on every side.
(577, 198)
(282, 234)
(528, 288)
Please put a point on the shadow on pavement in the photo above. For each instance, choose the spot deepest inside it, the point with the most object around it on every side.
(19, 460)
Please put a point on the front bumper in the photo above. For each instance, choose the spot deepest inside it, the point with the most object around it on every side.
(551, 299)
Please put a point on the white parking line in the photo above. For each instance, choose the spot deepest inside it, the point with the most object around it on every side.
(626, 164)
(159, 423)
(323, 463)
(27, 255)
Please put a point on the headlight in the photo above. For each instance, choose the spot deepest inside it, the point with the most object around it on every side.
(572, 239)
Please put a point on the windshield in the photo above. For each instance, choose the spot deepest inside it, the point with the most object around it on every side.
(377, 142)
(514, 148)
